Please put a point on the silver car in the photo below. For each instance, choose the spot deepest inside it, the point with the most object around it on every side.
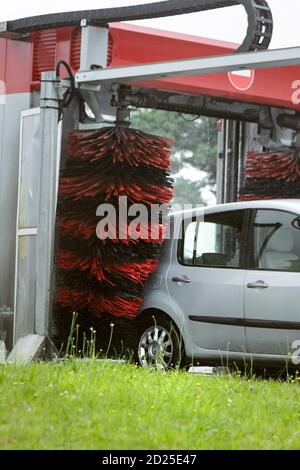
(227, 290)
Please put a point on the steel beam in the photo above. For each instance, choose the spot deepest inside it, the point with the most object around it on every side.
(189, 67)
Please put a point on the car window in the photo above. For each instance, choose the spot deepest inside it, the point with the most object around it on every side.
(189, 243)
(214, 241)
(276, 241)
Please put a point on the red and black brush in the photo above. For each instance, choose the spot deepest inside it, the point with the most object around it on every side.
(272, 175)
(108, 276)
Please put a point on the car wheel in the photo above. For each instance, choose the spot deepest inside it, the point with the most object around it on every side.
(160, 344)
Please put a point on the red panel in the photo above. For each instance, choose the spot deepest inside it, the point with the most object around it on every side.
(44, 52)
(140, 45)
(75, 49)
(270, 87)
(64, 44)
(18, 68)
(131, 45)
(134, 45)
(3, 44)
(110, 50)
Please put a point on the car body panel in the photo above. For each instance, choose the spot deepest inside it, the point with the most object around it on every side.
(279, 304)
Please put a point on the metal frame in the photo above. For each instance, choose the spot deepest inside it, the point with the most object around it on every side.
(189, 67)
(94, 45)
(93, 53)
(21, 232)
(47, 200)
(210, 106)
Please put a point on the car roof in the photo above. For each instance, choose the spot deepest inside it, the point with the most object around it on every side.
(288, 205)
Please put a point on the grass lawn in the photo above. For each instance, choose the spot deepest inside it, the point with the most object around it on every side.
(82, 405)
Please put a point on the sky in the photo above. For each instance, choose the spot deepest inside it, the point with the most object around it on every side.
(227, 24)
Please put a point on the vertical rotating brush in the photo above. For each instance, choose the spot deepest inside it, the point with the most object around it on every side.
(107, 276)
(272, 175)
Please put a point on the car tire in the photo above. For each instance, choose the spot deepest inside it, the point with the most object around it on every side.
(159, 343)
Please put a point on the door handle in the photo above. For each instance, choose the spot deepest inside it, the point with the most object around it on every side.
(183, 279)
(258, 285)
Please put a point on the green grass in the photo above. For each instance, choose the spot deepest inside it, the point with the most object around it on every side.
(90, 405)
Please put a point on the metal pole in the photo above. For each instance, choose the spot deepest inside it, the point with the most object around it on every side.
(225, 167)
(220, 164)
(48, 193)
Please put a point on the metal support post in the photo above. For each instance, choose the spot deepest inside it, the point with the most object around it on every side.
(48, 198)
(220, 163)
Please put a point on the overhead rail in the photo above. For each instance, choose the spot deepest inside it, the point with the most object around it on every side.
(189, 67)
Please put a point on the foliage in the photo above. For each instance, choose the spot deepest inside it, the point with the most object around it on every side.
(195, 148)
(187, 191)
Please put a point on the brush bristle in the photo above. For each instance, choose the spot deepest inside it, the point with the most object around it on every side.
(108, 276)
(272, 175)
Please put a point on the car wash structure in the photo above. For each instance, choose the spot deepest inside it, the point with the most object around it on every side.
(67, 83)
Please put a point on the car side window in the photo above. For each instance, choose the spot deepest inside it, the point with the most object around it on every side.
(214, 241)
(189, 243)
(276, 241)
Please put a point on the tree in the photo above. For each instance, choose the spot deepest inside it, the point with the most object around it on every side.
(195, 150)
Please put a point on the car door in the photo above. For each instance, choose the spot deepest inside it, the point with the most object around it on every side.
(272, 284)
(205, 280)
